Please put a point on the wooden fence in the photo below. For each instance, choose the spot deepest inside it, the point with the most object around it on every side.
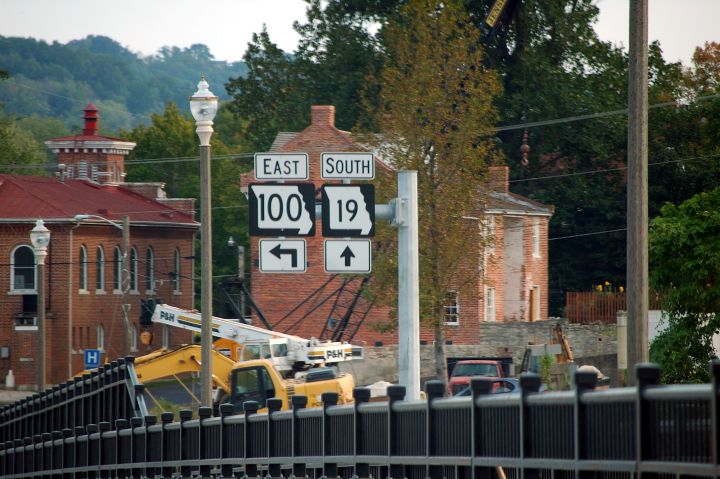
(596, 307)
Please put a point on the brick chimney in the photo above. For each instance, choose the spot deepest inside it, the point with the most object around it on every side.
(323, 115)
(498, 178)
(91, 120)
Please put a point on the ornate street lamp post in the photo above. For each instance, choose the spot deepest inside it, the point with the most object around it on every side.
(40, 239)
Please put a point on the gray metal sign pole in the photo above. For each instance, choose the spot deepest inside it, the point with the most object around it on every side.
(408, 285)
(402, 213)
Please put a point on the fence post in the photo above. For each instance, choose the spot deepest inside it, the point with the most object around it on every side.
(330, 469)
(37, 453)
(362, 470)
(584, 381)
(529, 383)
(715, 402)
(298, 403)
(647, 375)
(120, 464)
(93, 454)
(433, 390)
(250, 408)
(165, 418)
(137, 463)
(104, 426)
(150, 472)
(226, 410)
(395, 393)
(204, 413)
(80, 452)
(274, 470)
(185, 469)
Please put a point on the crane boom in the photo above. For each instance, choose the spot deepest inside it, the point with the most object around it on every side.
(287, 352)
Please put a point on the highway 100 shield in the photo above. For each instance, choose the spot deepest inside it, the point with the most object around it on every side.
(282, 209)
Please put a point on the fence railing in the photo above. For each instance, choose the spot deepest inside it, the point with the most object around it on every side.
(654, 430)
(598, 307)
(110, 393)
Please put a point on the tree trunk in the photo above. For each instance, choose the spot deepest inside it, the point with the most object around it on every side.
(440, 361)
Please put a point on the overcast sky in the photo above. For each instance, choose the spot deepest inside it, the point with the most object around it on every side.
(226, 25)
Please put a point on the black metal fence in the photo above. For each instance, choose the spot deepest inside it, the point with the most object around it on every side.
(651, 430)
(108, 394)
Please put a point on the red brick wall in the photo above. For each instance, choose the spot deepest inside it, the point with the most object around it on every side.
(104, 161)
(90, 308)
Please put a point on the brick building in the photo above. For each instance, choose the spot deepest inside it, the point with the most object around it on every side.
(512, 285)
(83, 268)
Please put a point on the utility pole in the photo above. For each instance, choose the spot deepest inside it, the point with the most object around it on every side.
(125, 281)
(241, 278)
(408, 284)
(637, 194)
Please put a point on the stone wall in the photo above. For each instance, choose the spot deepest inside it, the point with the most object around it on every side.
(594, 344)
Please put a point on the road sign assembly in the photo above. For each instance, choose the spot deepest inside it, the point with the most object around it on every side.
(347, 166)
(92, 358)
(282, 210)
(348, 210)
(283, 256)
(281, 166)
(348, 256)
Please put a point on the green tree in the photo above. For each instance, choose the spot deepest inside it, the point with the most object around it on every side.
(167, 151)
(685, 271)
(436, 117)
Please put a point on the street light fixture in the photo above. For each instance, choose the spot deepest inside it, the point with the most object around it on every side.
(124, 270)
(40, 239)
(204, 105)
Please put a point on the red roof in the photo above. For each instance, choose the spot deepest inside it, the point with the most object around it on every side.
(34, 197)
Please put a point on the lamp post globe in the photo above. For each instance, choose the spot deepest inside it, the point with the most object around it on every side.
(40, 237)
(203, 106)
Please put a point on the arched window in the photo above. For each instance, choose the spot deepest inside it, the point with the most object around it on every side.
(22, 265)
(83, 268)
(150, 277)
(117, 269)
(133, 338)
(100, 337)
(133, 270)
(100, 269)
(176, 273)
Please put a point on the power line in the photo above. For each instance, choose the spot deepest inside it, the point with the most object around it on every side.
(591, 116)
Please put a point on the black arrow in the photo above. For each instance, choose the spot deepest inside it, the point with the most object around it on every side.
(347, 254)
(278, 251)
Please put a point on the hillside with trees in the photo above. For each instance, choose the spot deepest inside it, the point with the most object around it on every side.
(56, 80)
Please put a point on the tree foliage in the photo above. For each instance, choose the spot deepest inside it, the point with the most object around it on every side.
(436, 115)
(57, 80)
(685, 271)
(170, 147)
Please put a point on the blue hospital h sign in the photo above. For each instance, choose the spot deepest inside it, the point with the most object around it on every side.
(92, 358)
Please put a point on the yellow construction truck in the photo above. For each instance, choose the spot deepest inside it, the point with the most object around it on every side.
(251, 363)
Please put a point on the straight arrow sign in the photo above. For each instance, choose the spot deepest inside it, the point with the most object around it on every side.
(348, 256)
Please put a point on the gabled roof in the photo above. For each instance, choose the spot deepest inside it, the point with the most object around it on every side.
(508, 203)
(33, 197)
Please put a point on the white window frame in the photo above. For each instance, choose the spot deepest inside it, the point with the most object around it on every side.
(83, 262)
(176, 289)
(100, 270)
(13, 289)
(150, 277)
(536, 237)
(100, 337)
(490, 309)
(536, 292)
(82, 169)
(450, 310)
(133, 270)
(490, 234)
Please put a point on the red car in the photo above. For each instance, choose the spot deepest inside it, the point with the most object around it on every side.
(466, 369)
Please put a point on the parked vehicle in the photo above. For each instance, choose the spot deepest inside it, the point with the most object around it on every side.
(465, 369)
(500, 386)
